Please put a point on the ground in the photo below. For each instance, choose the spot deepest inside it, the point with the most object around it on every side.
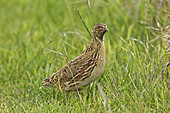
(38, 37)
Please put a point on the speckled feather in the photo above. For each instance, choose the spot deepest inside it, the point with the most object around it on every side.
(83, 69)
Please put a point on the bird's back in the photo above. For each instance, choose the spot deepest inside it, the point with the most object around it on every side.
(77, 70)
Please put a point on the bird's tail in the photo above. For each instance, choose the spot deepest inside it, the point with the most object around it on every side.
(47, 82)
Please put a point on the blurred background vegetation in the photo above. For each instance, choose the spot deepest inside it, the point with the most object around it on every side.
(34, 34)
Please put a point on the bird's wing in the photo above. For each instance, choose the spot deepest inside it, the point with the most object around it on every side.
(77, 69)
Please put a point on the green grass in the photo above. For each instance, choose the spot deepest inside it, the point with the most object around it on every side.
(136, 77)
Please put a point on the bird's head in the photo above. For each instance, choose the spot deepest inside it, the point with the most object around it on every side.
(99, 30)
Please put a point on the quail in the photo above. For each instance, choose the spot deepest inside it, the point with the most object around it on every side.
(83, 69)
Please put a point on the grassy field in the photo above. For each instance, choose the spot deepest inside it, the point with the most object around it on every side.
(33, 33)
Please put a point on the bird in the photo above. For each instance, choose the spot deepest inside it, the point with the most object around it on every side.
(85, 68)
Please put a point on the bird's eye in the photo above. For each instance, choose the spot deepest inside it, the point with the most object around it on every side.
(99, 27)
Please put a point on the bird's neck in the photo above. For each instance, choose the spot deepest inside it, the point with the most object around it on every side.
(97, 39)
(96, 42)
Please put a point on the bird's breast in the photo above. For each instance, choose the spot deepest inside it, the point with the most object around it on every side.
(99, 68)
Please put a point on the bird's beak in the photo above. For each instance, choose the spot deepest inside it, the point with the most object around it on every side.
(106, 29)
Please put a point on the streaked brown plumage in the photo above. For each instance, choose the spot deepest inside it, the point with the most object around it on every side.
(85, 68)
